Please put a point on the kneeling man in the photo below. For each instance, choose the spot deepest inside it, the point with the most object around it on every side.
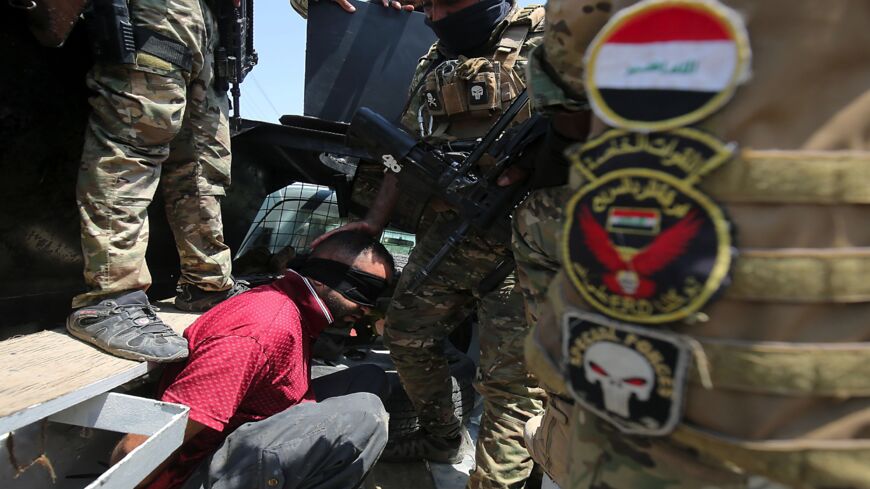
(255, 418)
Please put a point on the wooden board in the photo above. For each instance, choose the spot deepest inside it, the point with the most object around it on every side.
(47, 372)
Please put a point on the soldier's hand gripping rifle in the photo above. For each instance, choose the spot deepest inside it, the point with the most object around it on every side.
(429, 170)
(235, 57)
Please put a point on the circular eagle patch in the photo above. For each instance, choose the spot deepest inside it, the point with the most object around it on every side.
(663, 64)
(641, 243)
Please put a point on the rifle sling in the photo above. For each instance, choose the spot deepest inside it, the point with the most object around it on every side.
(160, 46)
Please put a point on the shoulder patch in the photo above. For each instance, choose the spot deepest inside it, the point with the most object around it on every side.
(630, 376)
(690, 53)
(642, 243)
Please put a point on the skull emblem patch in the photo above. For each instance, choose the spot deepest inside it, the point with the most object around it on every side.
(477, 94)
(432, 101)
(631, 376)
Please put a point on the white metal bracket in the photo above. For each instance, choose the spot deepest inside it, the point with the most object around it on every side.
(163, 422)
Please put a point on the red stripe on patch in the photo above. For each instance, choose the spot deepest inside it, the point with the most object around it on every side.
(670, 24)
(627, 213)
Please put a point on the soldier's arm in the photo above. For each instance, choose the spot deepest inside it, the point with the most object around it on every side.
(379, 213)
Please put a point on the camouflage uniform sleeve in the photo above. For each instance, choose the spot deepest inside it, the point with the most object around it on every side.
(533, 40)
(554, 79)
(300, 6)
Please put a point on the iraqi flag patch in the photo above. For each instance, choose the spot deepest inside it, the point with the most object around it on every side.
(663, 64)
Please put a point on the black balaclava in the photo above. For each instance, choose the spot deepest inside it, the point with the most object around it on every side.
(469, 29)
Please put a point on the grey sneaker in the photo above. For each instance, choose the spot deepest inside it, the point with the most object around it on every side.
(128, 327)
(420, 445)
(191, 298)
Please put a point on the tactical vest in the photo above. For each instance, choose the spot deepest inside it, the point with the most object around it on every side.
(779, 384)
(461, 98)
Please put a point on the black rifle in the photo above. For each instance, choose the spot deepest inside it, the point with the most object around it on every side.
(455, 178)
(235, 57)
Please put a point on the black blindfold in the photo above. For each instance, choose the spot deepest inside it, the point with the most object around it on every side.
(355, 285)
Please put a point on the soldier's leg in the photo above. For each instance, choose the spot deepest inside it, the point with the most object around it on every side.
(196, 174)
(510, 393)
(137, 111)
(135, 114)
(417, 325)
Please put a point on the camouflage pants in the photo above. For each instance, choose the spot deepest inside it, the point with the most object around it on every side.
(153, 122)
(416, 328)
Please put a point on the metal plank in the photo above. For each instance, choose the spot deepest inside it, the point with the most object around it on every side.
(121, 413)
(164, 422)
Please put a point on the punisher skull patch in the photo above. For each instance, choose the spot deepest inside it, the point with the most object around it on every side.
(477, 94)
(662, 64)
(641, 243)
(630, 376)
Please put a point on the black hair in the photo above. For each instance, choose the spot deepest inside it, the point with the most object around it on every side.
(347, 245)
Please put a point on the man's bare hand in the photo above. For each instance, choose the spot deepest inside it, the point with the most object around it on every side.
(511, 176)
(346, 5)
(363, 226)
(408, 7)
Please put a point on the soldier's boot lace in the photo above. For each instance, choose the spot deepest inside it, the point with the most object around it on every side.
(127, 326)
(421, 445)
(189, 297)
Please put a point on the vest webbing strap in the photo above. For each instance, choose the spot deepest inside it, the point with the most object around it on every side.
(809, 463)
(790, 369)
(793, 177)
(511, 43)
(827, 275)
(805, 463)
(162, 47)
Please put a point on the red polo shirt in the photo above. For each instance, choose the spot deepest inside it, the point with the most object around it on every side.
(249, 359)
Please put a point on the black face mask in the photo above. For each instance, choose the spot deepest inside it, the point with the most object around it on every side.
(469, 29)
(355, 285)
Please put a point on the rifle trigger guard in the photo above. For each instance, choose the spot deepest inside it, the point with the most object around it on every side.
(23, 4)
(391, 163)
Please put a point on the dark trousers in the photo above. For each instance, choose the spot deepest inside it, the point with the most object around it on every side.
(330, 444)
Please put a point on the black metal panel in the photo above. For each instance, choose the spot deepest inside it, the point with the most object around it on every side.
(364, 59)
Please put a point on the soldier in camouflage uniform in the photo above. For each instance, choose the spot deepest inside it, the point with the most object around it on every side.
(777, 392)
(460, 88)
(159, 120)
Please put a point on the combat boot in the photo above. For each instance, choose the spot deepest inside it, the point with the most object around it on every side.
(421, 445)
(127, 326)
(191, 298)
